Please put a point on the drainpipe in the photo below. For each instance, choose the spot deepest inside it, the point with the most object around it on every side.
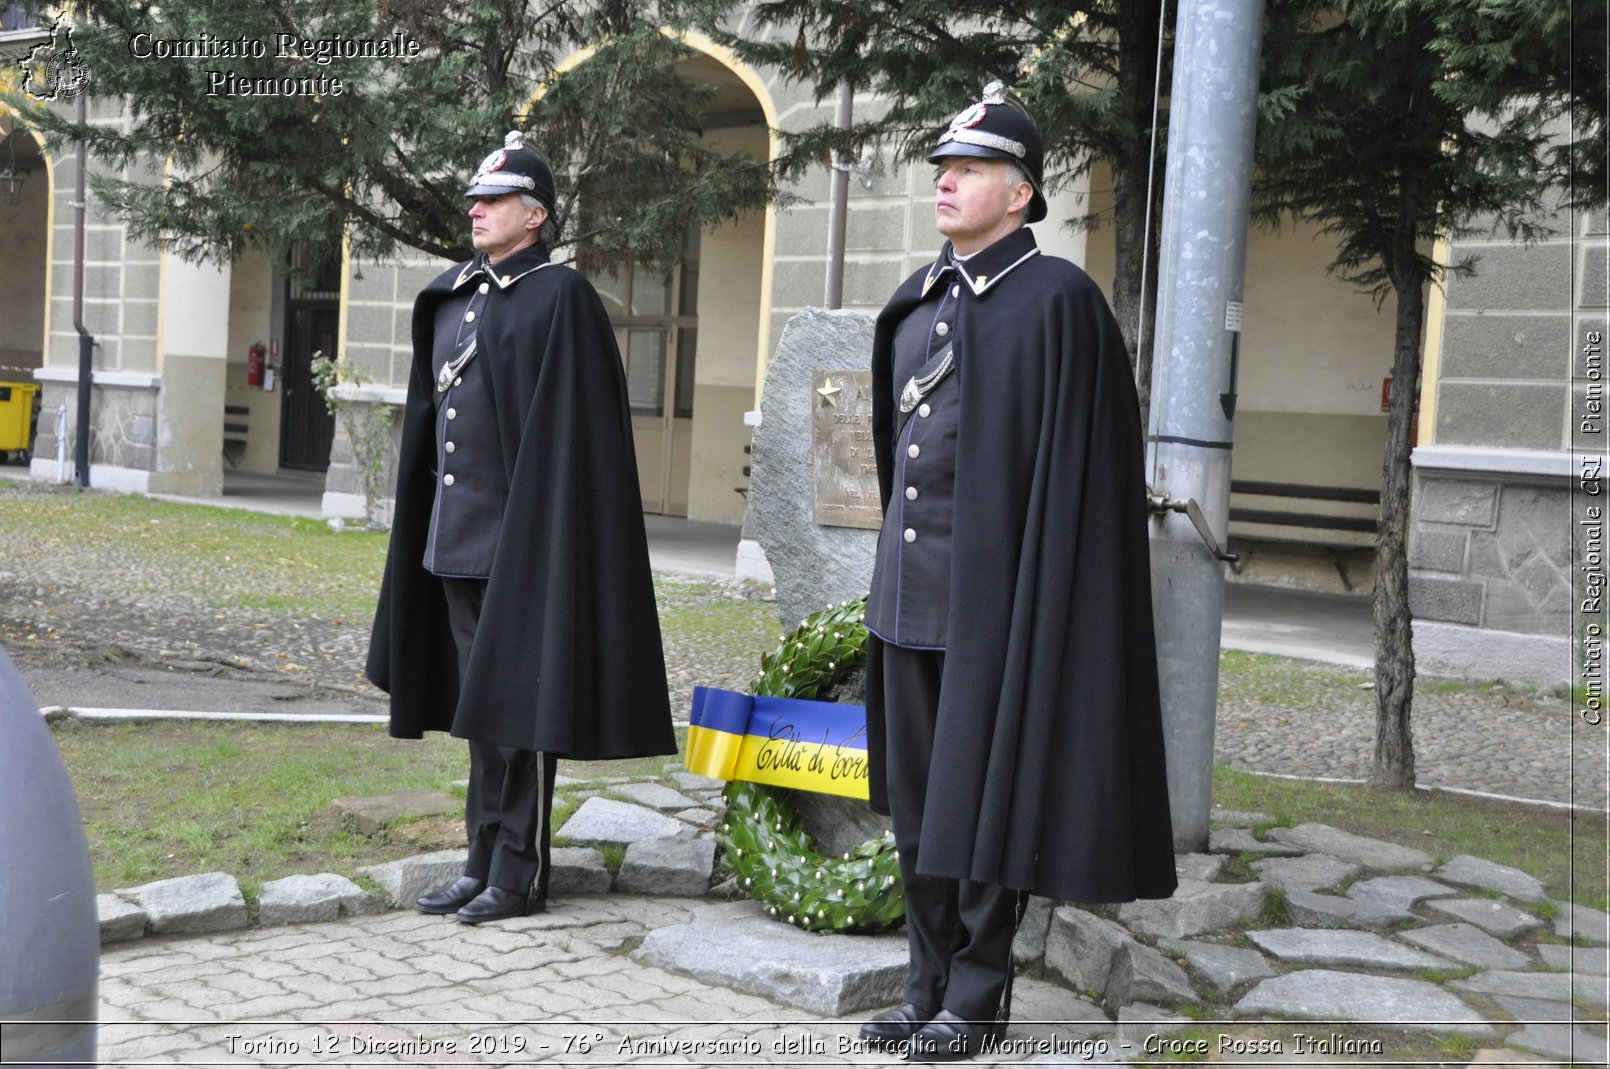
(86, 340)
(840, 208)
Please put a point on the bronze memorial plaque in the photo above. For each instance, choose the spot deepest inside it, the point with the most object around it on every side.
(845, 473)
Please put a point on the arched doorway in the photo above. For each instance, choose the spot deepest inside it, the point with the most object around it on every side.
(691, 337)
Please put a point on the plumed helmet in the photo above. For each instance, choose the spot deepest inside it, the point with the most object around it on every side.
(514, 168)
(994, 129)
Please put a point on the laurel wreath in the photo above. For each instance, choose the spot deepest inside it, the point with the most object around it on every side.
(775, 859)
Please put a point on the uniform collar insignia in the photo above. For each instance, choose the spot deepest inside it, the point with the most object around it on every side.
(938, 270)
(985, 270)
(470, 272)
(515, 266)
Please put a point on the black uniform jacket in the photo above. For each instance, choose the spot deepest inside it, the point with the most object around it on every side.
(1048, 772)
(567, 656)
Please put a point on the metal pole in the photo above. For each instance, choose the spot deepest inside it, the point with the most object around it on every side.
(86, 340)
(840, 208)
(1205, 213)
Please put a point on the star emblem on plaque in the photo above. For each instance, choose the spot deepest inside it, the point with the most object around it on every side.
(843, 467)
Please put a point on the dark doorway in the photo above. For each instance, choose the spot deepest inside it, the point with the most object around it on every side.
(312, 318)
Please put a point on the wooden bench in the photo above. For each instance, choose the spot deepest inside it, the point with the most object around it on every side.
(235, 429)
(1331, 517)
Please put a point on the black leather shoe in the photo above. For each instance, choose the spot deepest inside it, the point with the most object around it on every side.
(949, 1038)
(496, 904)
(893, 1027)
(450, 899)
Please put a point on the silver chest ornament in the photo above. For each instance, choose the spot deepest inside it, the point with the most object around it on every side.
(920, 386)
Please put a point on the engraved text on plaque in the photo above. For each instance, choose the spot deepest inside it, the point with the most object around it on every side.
(842, 463)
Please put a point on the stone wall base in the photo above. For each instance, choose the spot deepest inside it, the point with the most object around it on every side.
(1477, 653)
(101, 476)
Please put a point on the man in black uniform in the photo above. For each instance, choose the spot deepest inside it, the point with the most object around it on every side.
(1014, 730)
(517, 609)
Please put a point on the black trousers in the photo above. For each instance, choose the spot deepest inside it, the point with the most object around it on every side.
(959, 931)
(509, 805)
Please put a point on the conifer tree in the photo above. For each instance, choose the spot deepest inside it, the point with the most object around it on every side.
(198, 163)
(1391, 124)
(1085, 69)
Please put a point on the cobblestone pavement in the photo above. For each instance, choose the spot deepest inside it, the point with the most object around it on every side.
(556, 989)
(1533, 749)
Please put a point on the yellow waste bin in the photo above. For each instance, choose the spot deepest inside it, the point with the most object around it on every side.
(16, 417)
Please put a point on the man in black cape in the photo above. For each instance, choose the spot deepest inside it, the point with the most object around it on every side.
(517, 609)
(1014, 729)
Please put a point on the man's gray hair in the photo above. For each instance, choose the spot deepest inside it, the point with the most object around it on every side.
(548, 232)
(1015, 173)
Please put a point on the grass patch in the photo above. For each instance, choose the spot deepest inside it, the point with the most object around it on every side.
(1274, 912)
(172, 799)
(164, 799)
(1564, 849)
(1458, 1046)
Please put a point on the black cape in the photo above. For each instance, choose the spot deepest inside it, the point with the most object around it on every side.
(567, 656)
(1048, 770)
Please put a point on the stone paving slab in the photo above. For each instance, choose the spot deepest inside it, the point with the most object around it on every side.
(1224, 967)
(1080, 947)
(1497, 918)
(1142, 974)
(1399, 892)
(1314, 910)
(1310, 872)
(1028, 945)
(1367, 950)
(1469, 944)
(1576, 1045)
(1581, 922)
(737, 946)
(299, 899)
(667, 867)
(1329, 995)
(1538, 1011)
(1242, 841)
(1375, 854)
(1194, 909)
(405, 880)
(1579, 959)
(653, 795)
(1204, 868)
(1548, 986)
(211, 902)
(578, 870)
(119, 919)
(604, 820)
(1487, 875)
(369, 815)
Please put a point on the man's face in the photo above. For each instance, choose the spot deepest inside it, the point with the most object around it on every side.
(502, 224)
(974, 206)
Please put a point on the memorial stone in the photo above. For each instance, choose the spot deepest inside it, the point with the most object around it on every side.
(815, 563)
(813, 474)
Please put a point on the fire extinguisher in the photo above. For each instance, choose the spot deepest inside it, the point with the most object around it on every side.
(254, 364)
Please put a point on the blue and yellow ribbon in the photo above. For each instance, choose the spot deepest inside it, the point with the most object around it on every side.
(785, 742)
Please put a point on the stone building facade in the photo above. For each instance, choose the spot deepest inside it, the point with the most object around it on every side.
(1493, 560)
(174, 410)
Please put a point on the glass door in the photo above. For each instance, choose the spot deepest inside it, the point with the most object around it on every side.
(656, 328)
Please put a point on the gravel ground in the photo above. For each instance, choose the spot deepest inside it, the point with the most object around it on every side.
(62, 603)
